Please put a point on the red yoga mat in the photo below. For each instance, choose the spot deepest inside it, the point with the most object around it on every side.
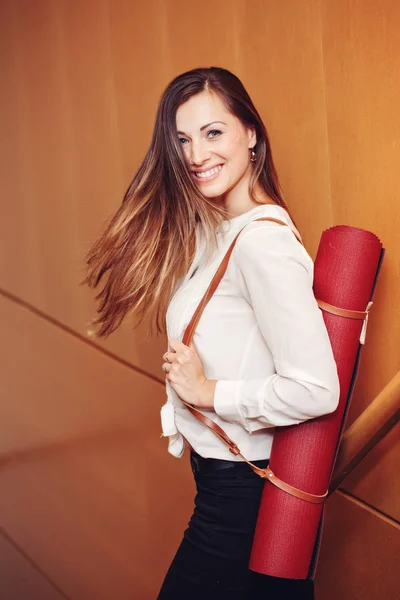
(288, 529)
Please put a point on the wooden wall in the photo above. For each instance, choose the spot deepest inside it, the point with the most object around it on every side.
(82, 467)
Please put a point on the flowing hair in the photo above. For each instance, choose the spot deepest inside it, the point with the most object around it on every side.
(149, 243)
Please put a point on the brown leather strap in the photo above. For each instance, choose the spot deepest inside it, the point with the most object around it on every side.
(190, 329)
(342, 312)
(293, 491)
(266, 473)
(215, 428)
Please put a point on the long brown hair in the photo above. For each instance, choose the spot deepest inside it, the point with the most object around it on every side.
(149, 244)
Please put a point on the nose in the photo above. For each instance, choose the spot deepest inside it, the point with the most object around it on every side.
(198, 153)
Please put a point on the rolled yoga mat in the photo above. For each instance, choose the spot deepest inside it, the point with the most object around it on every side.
(288, 529)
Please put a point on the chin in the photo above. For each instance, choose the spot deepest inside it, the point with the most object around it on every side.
(213, 193)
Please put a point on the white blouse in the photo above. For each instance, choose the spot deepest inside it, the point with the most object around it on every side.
(262, 336)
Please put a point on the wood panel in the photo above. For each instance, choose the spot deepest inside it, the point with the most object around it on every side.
(281, 62)
(20, 579)
(61, 166)
(360, 554)
(92, 516)
(57, 388)
(82, 464)
(82, 83)
(375, 480)
(361, 49)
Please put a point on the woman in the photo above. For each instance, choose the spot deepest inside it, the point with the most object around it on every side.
(260, 357)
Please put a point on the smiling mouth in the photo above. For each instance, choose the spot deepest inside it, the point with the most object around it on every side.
(207, 175)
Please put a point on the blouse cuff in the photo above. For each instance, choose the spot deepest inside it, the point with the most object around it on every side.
(225, 400)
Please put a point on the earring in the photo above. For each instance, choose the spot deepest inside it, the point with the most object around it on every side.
(253, 157)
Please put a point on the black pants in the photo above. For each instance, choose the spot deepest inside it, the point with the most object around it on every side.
(211, 562)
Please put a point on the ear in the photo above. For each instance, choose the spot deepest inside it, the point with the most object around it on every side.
(251, 133)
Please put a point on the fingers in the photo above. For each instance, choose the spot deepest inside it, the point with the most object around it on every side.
(170, 369)
(168, 363)
(179, 356)
(174, 360)
(178, 346)
(169, 357)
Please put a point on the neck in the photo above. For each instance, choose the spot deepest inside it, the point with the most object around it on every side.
(238, 201)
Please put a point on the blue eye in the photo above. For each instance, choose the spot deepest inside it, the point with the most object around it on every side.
(182, 140)
(216, 131)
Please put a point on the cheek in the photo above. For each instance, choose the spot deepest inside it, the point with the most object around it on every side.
(238, 153)
(185, 151)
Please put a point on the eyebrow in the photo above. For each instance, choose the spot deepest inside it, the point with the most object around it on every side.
(204, 126)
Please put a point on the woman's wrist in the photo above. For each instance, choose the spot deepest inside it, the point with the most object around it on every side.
(205, 393)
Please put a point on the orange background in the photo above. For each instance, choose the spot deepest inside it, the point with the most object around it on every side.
(91, 504)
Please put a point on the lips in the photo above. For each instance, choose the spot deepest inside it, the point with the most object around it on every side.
(203, 176)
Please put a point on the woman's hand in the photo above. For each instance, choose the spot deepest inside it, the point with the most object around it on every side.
(186, 375)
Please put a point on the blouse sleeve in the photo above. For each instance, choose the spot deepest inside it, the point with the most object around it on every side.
(276, 274)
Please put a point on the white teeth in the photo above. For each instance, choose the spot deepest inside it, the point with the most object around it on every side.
(210, 172)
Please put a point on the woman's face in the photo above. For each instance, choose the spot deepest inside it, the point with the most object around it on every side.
(216, 144)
